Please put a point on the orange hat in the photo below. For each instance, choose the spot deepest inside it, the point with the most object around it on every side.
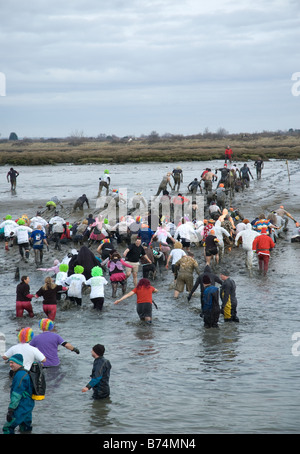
(221, 185)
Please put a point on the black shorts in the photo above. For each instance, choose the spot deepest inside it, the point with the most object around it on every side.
(210, 252)
(185, 243)
(144, 310)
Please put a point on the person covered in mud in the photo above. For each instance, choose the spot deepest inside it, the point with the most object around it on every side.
(208, 177)
(53, 203)
(164, 184)
(104, 182)
(220, 195)
(295, 238)
(12, 178)
(224, 173)
(194, 185)
(185, 268)
(177, 175)
(80, 202)
(285, 215)
(259, 165)
(245, 172)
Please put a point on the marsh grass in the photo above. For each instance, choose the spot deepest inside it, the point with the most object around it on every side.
(59, 151)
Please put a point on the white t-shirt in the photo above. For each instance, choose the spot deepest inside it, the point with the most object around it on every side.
(22, 234)
(176, 255)
(97, 286)
(61, 278)
(38, 220)
(184, 231)
(9, 226)
(75, 284)
(29, 353)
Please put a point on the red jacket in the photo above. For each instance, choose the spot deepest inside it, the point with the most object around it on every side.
(262, 244)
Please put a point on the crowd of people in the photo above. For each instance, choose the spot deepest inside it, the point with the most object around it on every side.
(101, 251)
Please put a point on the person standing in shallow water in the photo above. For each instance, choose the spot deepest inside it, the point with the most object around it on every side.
(262, 245)
(100, 374)
(210, 308)
(228, 298)
(12, 178)
(143, 291)
(21, 404)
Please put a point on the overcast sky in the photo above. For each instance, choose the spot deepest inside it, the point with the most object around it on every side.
(137, 66)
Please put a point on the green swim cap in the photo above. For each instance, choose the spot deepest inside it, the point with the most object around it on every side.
(7, 217)
(21, 222)
(96, 271)
(106, 171)
(63, 267)
(79, 269)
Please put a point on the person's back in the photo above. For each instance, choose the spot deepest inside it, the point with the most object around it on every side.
(101, 367)
(47, 343)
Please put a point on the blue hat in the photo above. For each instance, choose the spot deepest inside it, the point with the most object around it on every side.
(17, 358)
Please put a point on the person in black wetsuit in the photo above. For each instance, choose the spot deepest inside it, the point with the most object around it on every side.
(12, 177)
(100, 374)
(80, 201)
(228, 297)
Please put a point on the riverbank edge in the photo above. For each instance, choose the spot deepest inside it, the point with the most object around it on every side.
(23, 153)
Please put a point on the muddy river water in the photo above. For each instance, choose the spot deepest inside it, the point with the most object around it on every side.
(174, 376)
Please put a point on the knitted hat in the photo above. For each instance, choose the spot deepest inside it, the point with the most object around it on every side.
(25, 335)
(46, 324)
(63, 267)
(96, 271)
(78, 269)
(17, 358)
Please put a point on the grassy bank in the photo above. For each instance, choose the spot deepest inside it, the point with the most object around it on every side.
(83, 150)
